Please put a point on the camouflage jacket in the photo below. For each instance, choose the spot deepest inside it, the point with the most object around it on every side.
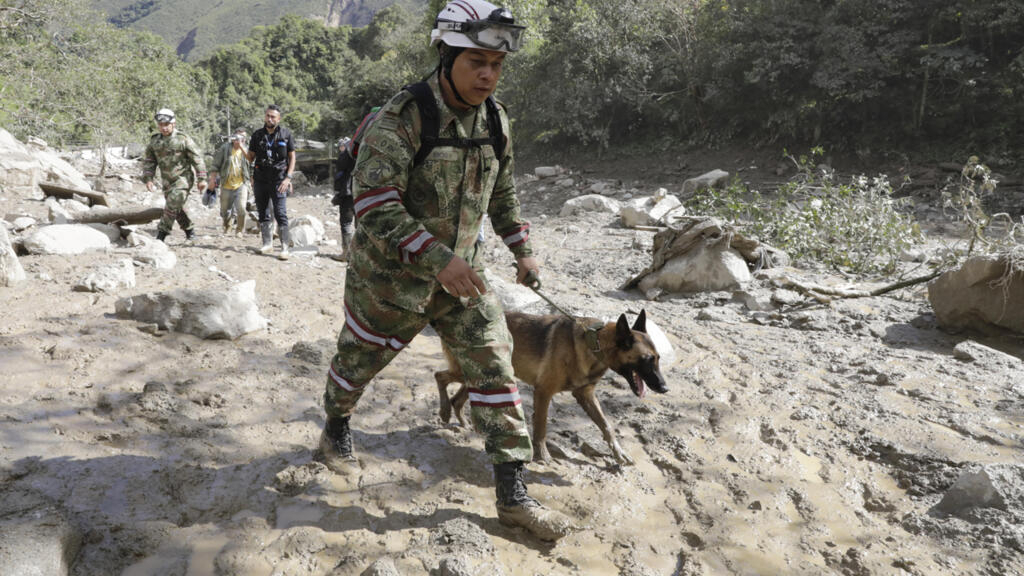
(411, 221)
(176, 156)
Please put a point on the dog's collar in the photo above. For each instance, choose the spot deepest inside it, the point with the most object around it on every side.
(592, 341)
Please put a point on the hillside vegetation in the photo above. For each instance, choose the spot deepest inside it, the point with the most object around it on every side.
(859, 75)
(195, 27)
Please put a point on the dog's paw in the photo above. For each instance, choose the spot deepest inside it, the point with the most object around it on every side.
(620, 455)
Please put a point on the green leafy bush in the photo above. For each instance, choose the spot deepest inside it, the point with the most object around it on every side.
(857, 226)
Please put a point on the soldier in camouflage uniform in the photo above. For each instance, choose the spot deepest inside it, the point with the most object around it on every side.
(180, 162)
(415, 261)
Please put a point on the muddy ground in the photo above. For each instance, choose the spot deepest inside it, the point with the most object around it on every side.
(812, 439)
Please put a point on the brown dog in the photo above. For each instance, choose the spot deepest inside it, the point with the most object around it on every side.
(557, 354)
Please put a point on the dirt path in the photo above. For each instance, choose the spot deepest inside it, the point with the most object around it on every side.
(808, 441)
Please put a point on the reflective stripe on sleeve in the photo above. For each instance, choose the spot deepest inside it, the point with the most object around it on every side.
(414, 245)
(520, 236)
(370, 336)
(494, 398)
(375, 198)
(342, 383)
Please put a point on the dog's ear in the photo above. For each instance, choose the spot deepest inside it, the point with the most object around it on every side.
(640, 324)
(623, 335)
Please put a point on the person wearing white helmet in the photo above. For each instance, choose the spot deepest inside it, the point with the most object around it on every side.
(181, 164)
(420, 197)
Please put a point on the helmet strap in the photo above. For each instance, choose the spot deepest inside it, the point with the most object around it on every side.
(448, 55)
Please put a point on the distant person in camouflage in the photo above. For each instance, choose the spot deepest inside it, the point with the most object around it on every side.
(232, 172)
(181, 164)
(414, 259)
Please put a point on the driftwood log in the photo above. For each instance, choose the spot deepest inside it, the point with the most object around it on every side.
(95, 198)
(121, 217)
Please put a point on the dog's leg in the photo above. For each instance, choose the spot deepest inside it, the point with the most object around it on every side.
(458, 401)
(443, 379)
(588, 400)
(541, 403)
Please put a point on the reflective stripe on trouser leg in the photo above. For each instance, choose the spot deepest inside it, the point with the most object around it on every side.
(174, 201)
(480, 342)
(365, 347)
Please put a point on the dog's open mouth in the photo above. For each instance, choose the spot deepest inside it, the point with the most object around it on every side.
(637, 384)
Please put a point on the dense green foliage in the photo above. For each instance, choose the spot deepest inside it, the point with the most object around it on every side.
(851, 74)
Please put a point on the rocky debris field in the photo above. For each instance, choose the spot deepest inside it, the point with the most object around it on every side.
(851, 437)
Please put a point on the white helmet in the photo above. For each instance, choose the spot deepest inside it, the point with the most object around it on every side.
(477, 24)
(164, 115)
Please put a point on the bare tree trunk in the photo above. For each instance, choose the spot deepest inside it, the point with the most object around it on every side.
(95, 198)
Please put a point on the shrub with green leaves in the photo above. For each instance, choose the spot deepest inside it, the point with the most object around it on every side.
(858, 227)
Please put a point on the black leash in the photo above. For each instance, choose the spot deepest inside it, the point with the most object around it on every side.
(532, 281)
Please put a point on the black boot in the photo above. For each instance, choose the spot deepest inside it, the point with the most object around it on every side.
(160, 235)
(517, 508)
(190, 234)
(336, 446)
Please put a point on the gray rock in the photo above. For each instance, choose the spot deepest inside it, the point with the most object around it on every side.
(589, 203)
(754, 302)
(11, 271)
(382, 567)
(971, 351)
(547, 171)
(109, 278)
(66, 239)
(37, 543)
(455, 566)
(708, 266)
(23, 222)
(999, 486)
(151, 252)
(213, 314)
(513, 296)
(713, 179)
(648, 211)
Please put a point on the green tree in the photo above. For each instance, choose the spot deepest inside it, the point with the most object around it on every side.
(68, 77)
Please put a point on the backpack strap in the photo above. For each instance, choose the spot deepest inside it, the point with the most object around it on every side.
(430, 118)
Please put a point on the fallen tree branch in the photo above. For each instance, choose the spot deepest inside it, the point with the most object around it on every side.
(95, 198)
(121, 216)
(818, 291)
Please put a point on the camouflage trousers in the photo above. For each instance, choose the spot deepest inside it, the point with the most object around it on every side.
(376, 331)
(174, 210)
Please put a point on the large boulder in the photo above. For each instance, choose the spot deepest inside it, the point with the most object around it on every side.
(24, 166)
(709, 267)
(212, 314)
(11, 271)
(985, 294)
(66, 239)
(700, 254)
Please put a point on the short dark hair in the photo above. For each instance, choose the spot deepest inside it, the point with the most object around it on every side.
(273, 107)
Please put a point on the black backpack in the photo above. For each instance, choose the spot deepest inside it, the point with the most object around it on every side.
(430, 117)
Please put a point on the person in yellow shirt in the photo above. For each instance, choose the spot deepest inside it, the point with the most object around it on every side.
(233, 173)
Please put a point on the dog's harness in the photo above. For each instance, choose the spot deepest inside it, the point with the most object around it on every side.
(589, 332)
